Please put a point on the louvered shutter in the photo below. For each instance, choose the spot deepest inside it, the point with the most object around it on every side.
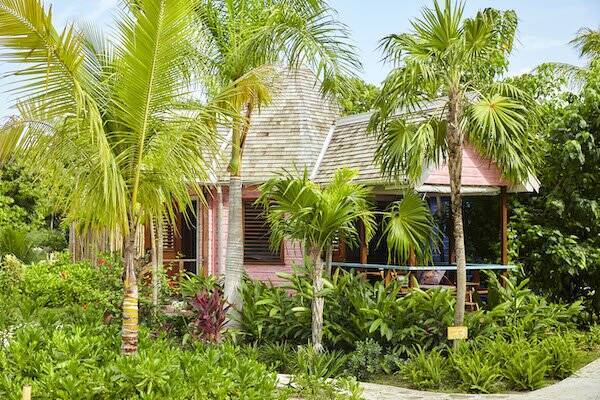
(256, 236)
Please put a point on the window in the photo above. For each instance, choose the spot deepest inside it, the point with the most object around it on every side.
(256, 236)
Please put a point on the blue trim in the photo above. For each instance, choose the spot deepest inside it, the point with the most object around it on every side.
(440, 267)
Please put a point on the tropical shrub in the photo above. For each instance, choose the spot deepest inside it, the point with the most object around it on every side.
(83, 362)
(211, 312)
(18, 243)
(427, 369)
(324, 364)
(309, 387)
(562, 355)
(477, 372)
(365, 360)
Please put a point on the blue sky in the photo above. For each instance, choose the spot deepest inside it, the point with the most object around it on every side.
(545, 27)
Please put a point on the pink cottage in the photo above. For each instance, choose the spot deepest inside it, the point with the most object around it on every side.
(301, 129)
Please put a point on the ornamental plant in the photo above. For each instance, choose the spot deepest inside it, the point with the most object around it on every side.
(211, 312)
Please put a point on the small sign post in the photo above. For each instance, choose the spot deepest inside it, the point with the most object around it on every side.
(458, 333)
(26, 395)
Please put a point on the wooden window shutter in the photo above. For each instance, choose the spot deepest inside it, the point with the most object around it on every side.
(256, 236)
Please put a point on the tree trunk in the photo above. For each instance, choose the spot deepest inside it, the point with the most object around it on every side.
(318, 301)
(235, 250)
(455, 146)
(154, 264)
(328, 261)
(235, 243)
(130, 327)
(219, 234)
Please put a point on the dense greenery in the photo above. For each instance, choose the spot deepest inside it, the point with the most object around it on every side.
(358, 96)
(520, 342)
(556, 233)
(28, 228)
(59, 325)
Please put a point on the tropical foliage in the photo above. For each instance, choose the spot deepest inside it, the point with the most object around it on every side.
(299, 209)
(452, 61)
(111, 118)
(358, 96)
(555, 234)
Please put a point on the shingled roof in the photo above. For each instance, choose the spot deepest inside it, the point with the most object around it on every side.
(290, 131)
(302, 129)
(351, 146)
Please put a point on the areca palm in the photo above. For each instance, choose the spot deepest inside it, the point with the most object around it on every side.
(299, 209)
(453, 59)
(111, 116)
(246, 41)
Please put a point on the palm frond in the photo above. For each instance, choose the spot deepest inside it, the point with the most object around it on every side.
(404, 148)
(408, 227)
(498, 127)
(587, 41)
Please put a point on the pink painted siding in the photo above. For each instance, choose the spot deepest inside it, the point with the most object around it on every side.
(476, 171)
(292, 252)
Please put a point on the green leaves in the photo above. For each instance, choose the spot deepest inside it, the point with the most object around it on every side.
(409, 227)
(299, 209)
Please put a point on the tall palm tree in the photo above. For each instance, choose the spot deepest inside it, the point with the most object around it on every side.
(246, 41)
(112, 117)
(299, 209)
(453, 59)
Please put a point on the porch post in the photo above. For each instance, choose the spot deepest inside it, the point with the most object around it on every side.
(504, 230)
(364, 249)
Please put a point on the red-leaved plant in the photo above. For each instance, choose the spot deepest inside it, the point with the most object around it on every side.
(211, 311)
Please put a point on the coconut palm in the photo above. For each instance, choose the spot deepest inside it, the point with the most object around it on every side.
(301, 210)
(452, 59)
(246, 41)
(111, 117)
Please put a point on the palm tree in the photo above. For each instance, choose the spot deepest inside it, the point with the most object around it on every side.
(111, 117)
(246, 41)
(587, 41)
(453, 59)
(299, 209)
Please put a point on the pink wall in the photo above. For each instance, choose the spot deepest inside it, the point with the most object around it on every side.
(476, 171)
(292, 252)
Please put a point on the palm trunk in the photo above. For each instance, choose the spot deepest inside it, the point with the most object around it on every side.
(318, 301)
(219, 234)
(235, 245)
(130, 326)
(455, 146)
(154, 264)
(235, 249)
(328, 261)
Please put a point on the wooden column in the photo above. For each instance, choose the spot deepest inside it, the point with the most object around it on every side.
(504, 230)
(364, 248)
(503, 226)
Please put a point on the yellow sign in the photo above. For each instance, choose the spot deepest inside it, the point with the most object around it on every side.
(458, 333)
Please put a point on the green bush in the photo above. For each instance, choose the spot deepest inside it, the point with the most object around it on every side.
(309, 387)
(561, 352)
(19, 243)
(427, 370)
(83, 362)
(326, 364)
(59, 284)
(477, 372)
(365, 360)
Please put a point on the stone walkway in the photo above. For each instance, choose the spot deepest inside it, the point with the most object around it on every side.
(583, 385)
